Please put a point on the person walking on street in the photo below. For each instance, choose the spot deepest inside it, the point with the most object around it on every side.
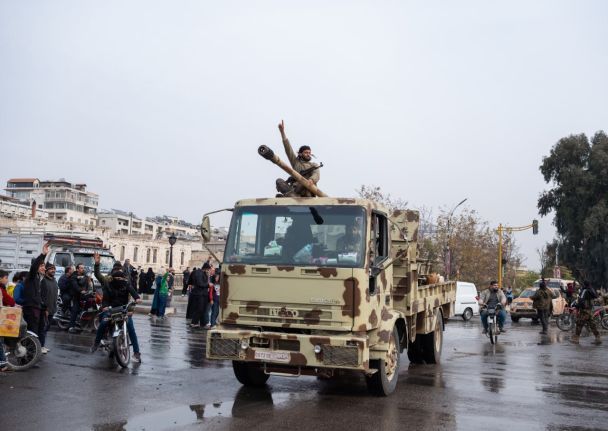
(155, 298)
(64, 287)
(215, 303)
(51, 289)
(200, 296)
(141, 284)
(163, 293)
(185, 281)
(542, 300)
(32, 293)
(584, 304)
(190, 306)
(79, 284)
(149, 280)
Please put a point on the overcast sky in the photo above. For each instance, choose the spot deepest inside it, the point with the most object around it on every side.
(159, 107)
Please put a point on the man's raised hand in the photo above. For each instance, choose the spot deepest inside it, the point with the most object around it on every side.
(45, 248)
(97, 258)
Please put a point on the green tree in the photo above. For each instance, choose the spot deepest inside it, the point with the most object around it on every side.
(578, 171)
(473, 243)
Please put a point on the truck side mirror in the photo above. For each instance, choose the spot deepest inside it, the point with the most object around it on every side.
(374, 271)
(206, 229)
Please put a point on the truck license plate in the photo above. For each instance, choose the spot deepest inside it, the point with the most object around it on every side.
(272, 356)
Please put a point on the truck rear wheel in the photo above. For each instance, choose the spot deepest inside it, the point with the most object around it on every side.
(414, 351)
(249, 374)
(384, 381)
(432, 343)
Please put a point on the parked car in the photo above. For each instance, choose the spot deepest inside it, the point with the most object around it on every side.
(466, 300)
(522, 305)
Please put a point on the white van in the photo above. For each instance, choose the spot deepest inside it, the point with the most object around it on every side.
(466, 300)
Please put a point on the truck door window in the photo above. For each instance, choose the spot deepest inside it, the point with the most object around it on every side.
(379, 238)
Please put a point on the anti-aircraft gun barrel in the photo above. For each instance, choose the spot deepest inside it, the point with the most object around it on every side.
(268, 154)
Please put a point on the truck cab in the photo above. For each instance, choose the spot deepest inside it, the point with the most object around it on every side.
(317, 285)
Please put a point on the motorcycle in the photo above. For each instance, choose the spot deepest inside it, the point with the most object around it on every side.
(24, 351)
(116, 338)
(493, 330)
(567, 320)
(90, 303)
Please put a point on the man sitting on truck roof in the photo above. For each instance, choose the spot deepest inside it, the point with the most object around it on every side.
(301, 163)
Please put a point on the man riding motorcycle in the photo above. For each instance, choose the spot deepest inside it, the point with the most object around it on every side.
(490, 298)
(116, 290)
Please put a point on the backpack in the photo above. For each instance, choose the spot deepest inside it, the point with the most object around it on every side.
(18, 294)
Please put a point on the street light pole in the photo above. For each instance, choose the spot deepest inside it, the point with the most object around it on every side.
(172, 240)
(448, 252)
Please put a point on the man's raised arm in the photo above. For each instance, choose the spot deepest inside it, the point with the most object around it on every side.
(291, 155)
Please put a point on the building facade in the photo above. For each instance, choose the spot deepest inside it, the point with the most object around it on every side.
(64, 201)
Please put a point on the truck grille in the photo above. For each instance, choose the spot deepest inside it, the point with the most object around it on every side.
(225, 348)
(340, 356)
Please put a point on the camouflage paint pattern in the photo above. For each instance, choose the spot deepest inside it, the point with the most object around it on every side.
(333, 305)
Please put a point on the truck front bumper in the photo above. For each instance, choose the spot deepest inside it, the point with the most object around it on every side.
(289, 350)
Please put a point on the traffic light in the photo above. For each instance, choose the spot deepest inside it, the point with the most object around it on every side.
(535, 227)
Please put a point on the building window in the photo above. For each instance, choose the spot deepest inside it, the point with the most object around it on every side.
(182, 259)
(154, 255)
(148, 256)
(135, 250)
(122, 252)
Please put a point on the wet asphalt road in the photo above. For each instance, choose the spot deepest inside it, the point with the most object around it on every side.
(526, 382)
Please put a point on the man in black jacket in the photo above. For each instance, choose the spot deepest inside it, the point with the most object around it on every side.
(33, 295)
(64, 288)
(200, 296)
(79, 284)
(50, 290)
(116, 290)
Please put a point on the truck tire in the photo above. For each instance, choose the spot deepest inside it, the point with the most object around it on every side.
(249, 374)
(384, 381)
(514, 319)
(432, 343)
(414, 351)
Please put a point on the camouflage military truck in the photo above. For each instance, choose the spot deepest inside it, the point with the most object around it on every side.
(312, 286)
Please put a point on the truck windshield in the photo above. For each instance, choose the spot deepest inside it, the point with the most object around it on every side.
(105, 266)
(297, 235)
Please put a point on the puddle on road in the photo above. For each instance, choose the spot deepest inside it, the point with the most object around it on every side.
(248, 401)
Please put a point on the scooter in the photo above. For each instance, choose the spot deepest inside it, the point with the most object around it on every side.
(116, 339)
(88, 318)
(24, 351)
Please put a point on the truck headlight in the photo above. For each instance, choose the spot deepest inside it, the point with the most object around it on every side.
(244, 344)
(317, 349)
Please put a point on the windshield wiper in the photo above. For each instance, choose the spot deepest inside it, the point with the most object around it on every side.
(316, 215)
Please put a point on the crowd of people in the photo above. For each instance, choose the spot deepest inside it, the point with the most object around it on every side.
(542, 300)
(37, 291)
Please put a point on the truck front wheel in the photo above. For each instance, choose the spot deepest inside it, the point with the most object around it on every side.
(249, 374)
(384, 381)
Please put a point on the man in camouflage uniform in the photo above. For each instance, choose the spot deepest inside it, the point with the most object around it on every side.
(299, 163)
(585, 313)
(542, 300)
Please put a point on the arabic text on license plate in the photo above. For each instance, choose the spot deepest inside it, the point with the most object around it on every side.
(272, 356)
